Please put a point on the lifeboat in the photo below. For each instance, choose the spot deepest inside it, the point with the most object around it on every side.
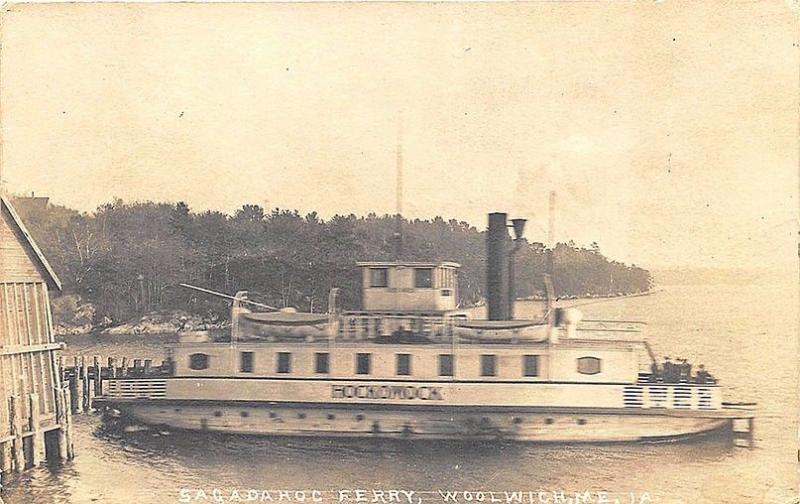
(286, 324)
(501, 330)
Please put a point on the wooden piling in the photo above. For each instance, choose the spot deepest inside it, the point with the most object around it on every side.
(124, 367)
(86, 400)
(6, 459)
(98, 379)
(37, 447)
(78, 382)
(17, 452)
(112, 367)
(62, 407)
(67, 426)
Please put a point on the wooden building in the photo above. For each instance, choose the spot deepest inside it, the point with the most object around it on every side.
(34, 422)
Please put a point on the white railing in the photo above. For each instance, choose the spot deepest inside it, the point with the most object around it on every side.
(369, 326)
(137, 388)
(672, 396)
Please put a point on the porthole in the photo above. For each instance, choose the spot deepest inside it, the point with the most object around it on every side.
(331, 416)
(198, 361)
(244, 414)
(217, 413)
(360, 417)
(581, 421)
(516, 420)
(272, 415)
(549, 421)
(301, 416)
(589, 365)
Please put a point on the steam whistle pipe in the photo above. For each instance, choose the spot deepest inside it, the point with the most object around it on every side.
(519, 228)
(512, 295)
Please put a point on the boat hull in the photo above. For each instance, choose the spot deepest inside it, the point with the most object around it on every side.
(321, 420)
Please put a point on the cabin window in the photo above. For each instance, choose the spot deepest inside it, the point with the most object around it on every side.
(363, 362)
(445, 364)
(403, 364)
(423, 278)
(322, 363)
(488, 365)
(588, 365)
(198, 361)
(530, 365)
(284, 362)
(378, 277)
(246, 362)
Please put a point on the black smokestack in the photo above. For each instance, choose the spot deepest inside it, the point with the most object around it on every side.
(497, 242)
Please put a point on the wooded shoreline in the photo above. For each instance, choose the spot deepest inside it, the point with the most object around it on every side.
(125, 260)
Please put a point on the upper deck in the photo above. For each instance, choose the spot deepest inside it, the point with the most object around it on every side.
(579, 360)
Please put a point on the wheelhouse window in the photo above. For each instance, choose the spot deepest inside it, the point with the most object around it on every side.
(423, 278)
(530, 365)
(445, 364)
(246, 362)
(488, 365)
(198, 361)
(378, 277)
(588, 365)
(403, 364)
(322, 363)
(284, 362)
(363, 363)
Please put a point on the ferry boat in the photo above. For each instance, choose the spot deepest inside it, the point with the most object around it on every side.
(411, 364)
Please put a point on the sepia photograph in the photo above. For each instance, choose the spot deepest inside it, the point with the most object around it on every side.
(399, 252)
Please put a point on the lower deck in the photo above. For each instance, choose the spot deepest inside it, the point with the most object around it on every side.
(431, 394)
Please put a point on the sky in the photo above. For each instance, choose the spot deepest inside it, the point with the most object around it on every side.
(669, 130)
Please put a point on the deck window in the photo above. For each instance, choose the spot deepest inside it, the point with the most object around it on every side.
(378, 277)
(322, 363)
(530, 365)
(488, 365)
(589, 365)
(423, 278)
(198, 361)
(246, 362)
(445, 364)
(403, 364)
(284, 362)
(363, 363)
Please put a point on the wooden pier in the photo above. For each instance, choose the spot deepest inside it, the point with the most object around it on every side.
(34, 415)
(83, 376)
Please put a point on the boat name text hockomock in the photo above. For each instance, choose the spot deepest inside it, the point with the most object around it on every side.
(386, 392)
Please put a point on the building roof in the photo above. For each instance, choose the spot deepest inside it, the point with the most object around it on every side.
(28, 242)
(408, 264)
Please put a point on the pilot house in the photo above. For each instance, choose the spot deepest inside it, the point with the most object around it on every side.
(409, 286)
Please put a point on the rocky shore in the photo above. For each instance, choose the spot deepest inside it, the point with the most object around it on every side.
(73, 317)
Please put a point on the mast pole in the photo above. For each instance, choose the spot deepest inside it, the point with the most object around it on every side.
(398, 232)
